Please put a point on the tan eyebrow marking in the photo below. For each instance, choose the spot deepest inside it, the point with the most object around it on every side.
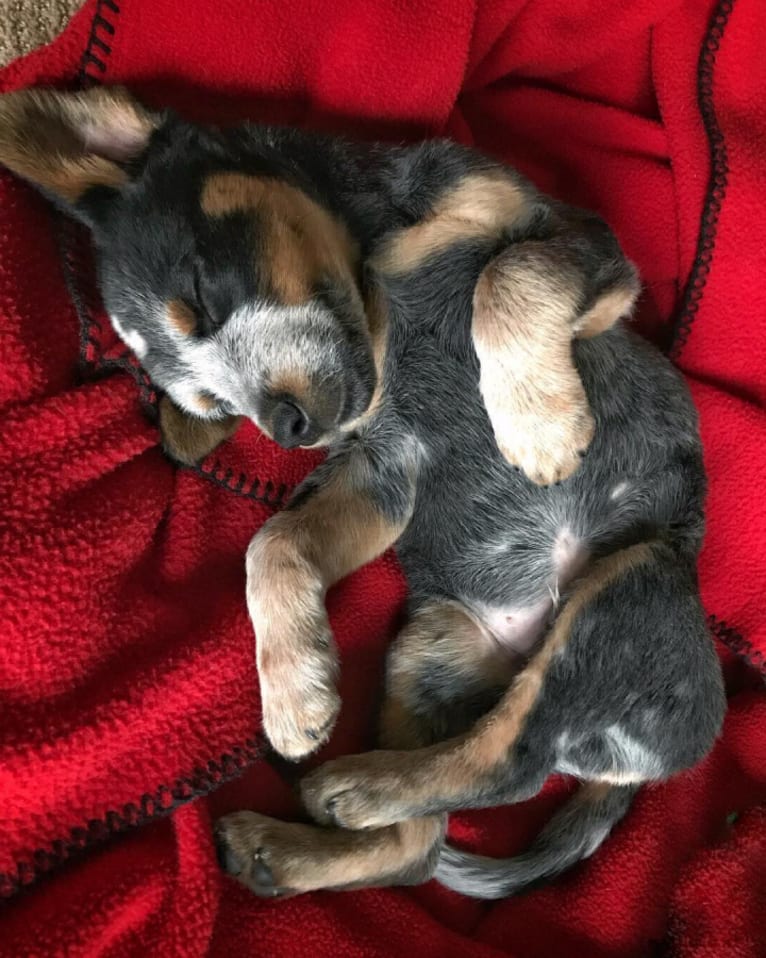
(181, 317)
(205, 401)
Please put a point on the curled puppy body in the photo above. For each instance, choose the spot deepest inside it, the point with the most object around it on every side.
(551, 630)
(413, 310)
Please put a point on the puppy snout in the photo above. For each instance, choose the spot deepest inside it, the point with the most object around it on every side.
(291, 426)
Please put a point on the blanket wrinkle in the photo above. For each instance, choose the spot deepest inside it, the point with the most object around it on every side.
(129, 710)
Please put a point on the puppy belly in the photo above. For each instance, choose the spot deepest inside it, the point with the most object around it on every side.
(519, 627)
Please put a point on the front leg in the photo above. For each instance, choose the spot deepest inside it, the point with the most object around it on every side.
(347, 513)
(528, 304)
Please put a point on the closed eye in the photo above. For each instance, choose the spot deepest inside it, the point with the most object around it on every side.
(207, 322)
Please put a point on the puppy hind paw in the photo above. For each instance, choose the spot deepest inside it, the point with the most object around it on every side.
(242, 848)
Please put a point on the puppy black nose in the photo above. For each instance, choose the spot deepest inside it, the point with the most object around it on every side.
(291, 426)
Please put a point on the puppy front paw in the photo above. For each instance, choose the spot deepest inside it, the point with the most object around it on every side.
(525, 305)
(300, 702)
(542, 426)
(546, 444)
(298, 722)
(356, 791)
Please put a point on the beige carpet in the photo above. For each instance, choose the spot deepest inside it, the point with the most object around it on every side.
(26, 24)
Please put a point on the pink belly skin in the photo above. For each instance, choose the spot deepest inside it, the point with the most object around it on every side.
(518, 628)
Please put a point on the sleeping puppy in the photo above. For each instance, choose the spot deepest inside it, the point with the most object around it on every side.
(412, 309)
(233, 264)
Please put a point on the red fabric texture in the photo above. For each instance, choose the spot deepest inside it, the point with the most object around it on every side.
(127, 681)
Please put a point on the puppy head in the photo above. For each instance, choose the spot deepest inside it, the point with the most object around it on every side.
(235, 288)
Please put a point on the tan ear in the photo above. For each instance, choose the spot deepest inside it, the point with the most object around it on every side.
(66, 143)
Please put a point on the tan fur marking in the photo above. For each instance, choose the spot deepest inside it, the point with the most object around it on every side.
(44, 137)
(337, 531)
(72, 178)
(189, 440)
(398, 727)
(206, 402)
(481, 205)
(302, 242)
(181, 317)
(376, 310)
(592, 792)
(524, 305)
(293, 382)
(225, 193)
(610, 307)
(444, 632)
(440, 632)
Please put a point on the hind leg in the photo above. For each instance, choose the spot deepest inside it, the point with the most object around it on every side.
(442, 673)
(628, 660)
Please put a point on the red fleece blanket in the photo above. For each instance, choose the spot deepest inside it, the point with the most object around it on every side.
(127, 682)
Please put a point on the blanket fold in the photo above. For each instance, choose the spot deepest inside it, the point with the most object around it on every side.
(127, 676)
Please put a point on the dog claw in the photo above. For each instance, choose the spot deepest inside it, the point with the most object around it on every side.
(262, 874)
(332, 813)
(227, 860)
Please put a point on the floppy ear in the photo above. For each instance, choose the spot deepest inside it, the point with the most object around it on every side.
(66, 143)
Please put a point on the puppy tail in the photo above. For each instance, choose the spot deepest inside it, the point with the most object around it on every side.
(575, 832)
